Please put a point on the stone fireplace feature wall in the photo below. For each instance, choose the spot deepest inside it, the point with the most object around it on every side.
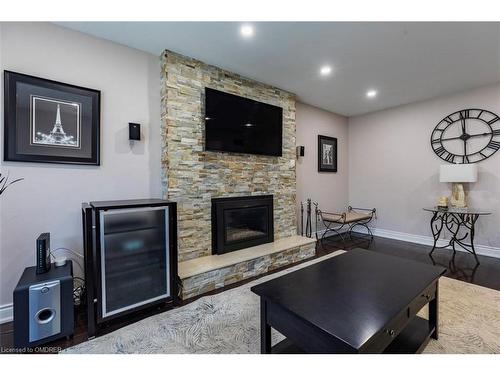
(192, 176)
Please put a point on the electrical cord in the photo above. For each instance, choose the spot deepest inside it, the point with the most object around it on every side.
(78, 290)
(78, 282)
(72, 252)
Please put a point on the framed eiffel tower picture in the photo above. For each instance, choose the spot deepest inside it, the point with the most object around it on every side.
(50, 122)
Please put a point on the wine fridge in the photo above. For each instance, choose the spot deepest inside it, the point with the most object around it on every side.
(130, 250)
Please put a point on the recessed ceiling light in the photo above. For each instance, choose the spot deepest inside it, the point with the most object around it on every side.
(246, 31)
(325, 70)
(371, 94)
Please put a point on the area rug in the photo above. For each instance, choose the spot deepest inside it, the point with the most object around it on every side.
(228, 322)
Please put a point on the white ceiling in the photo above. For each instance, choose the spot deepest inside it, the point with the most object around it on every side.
(404, 62)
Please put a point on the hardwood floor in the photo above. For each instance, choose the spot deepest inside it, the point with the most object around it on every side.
(463, 268)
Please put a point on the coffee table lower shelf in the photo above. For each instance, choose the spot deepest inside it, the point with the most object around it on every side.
(413, 339)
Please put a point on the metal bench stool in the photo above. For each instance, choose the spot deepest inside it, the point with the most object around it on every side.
(335, 222)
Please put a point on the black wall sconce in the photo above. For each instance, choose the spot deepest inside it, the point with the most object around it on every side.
(134, 131)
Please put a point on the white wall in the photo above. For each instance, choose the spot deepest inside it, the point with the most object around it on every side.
(326, 188)
(50, 197)
(392, 165)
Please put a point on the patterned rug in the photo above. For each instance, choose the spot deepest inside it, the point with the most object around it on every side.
(228, 322)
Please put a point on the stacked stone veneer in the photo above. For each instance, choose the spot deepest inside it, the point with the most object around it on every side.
(211, 280)
(192, 176)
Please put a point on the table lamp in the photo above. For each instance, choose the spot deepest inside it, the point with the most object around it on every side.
(458, 174)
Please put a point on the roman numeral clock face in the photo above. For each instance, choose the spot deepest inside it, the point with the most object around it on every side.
(467, 136)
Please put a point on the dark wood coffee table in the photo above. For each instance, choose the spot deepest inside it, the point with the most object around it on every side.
(357, 302)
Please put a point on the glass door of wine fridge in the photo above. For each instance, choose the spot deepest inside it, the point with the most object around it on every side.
(134, 261)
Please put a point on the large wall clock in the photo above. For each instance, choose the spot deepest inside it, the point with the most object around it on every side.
(467, 136)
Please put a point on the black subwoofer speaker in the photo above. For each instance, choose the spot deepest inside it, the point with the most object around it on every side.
(43, 306)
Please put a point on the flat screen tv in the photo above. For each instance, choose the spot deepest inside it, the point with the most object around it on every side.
(241, 125)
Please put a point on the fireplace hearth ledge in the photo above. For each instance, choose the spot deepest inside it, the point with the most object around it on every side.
(211, 272)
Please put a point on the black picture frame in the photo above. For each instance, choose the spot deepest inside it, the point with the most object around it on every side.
(31, 102)
(327, 154)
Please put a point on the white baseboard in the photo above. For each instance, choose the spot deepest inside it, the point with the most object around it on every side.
(485, 250)
(489, 251)
(6, 313)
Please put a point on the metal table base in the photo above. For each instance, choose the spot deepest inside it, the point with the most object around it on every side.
(460, 223)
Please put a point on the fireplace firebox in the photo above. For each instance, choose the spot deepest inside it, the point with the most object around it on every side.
(240, 222)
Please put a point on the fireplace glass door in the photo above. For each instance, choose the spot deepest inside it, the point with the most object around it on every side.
(245, 224)
(133, 258)
(241, 222)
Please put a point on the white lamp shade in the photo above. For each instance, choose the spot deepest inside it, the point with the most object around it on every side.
(458, 173)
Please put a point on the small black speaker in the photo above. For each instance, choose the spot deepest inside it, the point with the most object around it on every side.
(300, 151)
(43, 253)
(134, 131)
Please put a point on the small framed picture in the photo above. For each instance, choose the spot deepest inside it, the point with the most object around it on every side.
(327, 154)
(50, 122)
